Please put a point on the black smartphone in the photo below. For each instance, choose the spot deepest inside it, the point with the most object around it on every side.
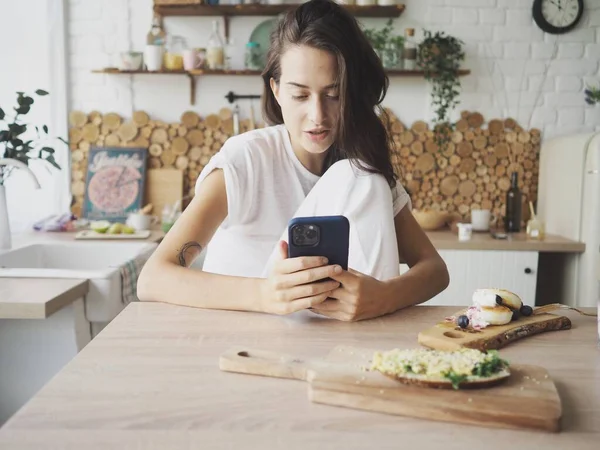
(327, 236)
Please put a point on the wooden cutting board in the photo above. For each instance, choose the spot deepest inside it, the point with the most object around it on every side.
(92, 235)
(447, 336)
(163, 187)
(527, 400)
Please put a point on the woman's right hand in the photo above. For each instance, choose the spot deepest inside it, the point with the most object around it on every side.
(295, 283)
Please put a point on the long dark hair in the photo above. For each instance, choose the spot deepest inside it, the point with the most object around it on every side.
(361, 135)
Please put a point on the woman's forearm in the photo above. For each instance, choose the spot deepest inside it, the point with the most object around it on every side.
(423, 281)
(170, 283)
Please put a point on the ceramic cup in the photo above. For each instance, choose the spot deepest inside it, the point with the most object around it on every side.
(153, 57)
(192, 59)
(481, 219)
(141, 222)
(131, 60)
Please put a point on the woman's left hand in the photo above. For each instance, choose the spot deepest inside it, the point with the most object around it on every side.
(359, 297)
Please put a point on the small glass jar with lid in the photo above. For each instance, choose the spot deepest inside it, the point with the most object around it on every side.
(252, 59)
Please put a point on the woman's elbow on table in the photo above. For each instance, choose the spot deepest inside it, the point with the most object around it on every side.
(442, 276)
(145, 288)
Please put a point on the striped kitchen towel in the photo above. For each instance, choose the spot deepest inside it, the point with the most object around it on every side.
(129, 276)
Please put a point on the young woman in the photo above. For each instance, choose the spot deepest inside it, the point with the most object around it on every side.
(325, 153)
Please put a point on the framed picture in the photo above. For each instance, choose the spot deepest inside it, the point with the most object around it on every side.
(115, 183)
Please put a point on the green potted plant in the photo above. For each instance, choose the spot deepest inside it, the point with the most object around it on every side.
(440, 57)
(386, 44)
(18, 146)
(592, 95)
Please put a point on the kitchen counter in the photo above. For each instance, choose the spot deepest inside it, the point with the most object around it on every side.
(447, 240)
(151, 380)
(32, 237)
(45, 294)
(38, 298)
(442, 240)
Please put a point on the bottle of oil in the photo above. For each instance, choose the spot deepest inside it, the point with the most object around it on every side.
(156, 35)
(512, 221)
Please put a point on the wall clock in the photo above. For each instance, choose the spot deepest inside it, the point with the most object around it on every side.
(557, 16)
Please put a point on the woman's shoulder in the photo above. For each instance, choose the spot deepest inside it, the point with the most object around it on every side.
(260, 142)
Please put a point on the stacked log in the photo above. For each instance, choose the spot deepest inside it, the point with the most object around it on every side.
(187, 145)
(472, 171)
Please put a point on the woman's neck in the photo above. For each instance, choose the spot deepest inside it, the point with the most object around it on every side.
(313, 162)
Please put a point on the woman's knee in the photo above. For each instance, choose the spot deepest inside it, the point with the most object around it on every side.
(347, 171)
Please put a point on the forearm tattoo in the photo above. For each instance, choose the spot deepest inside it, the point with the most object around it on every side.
(188, 253)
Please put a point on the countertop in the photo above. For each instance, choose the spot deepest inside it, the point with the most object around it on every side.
(447, 240)
(151, 380)
(442, 240)
(14, 292)
(31, 237)
(38, 298)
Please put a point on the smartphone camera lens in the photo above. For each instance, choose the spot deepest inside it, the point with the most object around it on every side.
(305, 235)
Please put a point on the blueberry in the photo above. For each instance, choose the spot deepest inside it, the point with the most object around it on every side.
(526, 310)
(498, 300)
(515, 314)
(462, 321)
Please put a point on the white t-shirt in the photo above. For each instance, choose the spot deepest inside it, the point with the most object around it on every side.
(265, 184)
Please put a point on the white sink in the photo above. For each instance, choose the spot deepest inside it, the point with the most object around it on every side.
(70, 260)
(98, 262)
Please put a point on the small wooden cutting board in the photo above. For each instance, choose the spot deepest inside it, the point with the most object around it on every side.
(527, 400)
(92, 235)
(447, 336)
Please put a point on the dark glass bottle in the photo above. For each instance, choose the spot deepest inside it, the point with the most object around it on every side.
(512, 221)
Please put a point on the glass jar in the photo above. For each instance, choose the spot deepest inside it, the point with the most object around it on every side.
(173, 58)
(252, 56)
(215, 50)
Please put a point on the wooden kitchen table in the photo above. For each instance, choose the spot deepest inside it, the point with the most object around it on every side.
(151, 380)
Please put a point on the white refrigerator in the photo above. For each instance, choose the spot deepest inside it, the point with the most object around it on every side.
(569, 204)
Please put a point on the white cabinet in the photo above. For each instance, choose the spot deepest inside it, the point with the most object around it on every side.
(473, 269)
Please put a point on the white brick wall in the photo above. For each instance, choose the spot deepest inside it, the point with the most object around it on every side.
(506, 52)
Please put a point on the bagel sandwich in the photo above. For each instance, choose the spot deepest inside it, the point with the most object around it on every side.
(459, 369)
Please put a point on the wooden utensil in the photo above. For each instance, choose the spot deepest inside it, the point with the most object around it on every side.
(146, 209)
(448, 336)
(528, 399)
(251, 123)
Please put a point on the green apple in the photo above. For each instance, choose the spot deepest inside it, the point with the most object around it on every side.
(115, 228)
(100, 226)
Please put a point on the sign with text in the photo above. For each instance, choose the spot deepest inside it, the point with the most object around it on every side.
(115, 183)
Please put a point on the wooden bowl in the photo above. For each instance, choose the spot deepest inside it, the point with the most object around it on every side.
(431, 220)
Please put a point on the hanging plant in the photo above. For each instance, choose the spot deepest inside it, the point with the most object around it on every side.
(592, 95)
(440, 57)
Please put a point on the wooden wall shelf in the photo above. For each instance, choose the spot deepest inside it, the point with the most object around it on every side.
(192, 74)
(266, 10)
(227, 11)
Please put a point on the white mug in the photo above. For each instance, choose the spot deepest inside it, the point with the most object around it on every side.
(153, 57)
(141, 222)
(481, 219)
